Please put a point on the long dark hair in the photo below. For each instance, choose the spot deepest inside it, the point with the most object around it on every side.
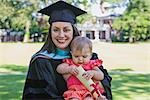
(50, 46)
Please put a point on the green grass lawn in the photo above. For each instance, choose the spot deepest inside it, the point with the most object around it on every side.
(125, 86)
(11, 87)
(13, 69)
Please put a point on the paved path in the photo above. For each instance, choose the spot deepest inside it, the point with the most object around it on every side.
(134, 57)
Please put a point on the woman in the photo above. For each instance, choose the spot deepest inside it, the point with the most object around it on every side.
(43, 82)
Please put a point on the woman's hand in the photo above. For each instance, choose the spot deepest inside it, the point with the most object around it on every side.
(88, 74)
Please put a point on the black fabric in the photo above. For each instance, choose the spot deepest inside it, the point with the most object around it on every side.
(43, 82)
(36, 83)
(106, 82)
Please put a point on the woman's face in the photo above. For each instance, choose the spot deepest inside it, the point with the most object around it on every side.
(62, 34)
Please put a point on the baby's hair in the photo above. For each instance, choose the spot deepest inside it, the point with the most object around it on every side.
(79, 42)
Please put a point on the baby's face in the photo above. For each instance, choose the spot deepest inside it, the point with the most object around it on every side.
(81, 57)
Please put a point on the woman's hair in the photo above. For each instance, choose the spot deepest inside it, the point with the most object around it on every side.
(50, 46)
(79, 43)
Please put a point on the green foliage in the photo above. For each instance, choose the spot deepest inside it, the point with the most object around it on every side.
(113, 1)
(6, 14)
(16, 13)
(84, 18)
(135, 22)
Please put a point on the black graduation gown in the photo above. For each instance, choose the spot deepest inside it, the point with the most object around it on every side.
(43, 82)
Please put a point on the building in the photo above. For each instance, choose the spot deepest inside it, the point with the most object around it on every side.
(104, 13)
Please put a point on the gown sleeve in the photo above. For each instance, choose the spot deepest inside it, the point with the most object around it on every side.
(41, 81)
(106, 82)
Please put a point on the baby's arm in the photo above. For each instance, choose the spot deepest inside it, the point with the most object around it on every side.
(98, 74)
(64, 70)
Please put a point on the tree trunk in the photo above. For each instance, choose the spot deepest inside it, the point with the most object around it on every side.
(27, 32)
(131, 39)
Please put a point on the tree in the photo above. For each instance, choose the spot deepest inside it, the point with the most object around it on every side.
(6, 13)
(17, 15)
(135, 23)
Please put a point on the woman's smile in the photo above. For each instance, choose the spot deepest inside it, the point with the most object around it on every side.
(61, 40)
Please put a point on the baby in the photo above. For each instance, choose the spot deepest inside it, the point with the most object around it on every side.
(81, 52)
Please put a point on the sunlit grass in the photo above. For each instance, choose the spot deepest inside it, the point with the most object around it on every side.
(13, 68)
(125, 86)
(11, 87)
(130, 86)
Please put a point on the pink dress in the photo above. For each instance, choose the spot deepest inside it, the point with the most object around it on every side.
(75, 88)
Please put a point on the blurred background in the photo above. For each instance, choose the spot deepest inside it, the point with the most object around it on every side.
(119, 30)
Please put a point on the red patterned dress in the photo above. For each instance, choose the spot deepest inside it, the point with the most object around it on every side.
(75, 88)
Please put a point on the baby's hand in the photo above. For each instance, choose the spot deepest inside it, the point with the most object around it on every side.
(101, 97)
(88, 75)
(74, 70)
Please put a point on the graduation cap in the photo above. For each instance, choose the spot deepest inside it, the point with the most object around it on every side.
(62, 11)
